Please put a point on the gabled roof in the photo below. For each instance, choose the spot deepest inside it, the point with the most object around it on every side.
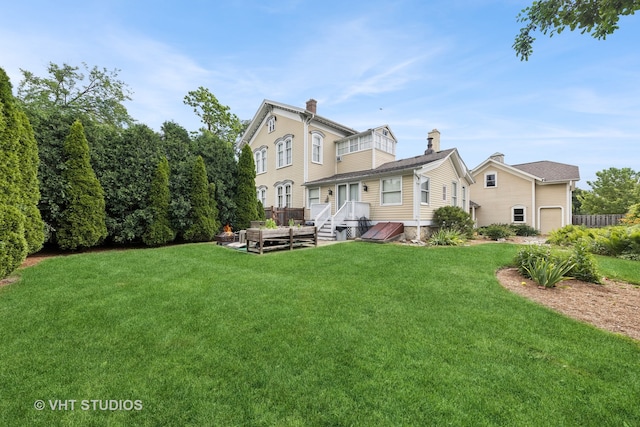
(543, 171)
(267, 107)
(549, 171)
(389, 167)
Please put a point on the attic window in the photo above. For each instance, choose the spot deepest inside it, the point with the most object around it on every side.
(490, 180)
(271, 124)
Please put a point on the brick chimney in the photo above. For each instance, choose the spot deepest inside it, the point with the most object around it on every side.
(312, 105)
(433, 142)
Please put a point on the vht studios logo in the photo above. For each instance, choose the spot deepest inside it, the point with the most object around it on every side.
(88, 405)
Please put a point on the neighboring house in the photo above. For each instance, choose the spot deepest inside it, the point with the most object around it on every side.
(537, 194)
(340, 175)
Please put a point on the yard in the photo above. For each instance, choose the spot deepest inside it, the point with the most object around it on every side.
(347, 334)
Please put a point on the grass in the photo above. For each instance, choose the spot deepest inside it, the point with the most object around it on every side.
(619, 269)
(349, 334)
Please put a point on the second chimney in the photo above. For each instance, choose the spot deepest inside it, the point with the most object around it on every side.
(312, 105)
(433, 142)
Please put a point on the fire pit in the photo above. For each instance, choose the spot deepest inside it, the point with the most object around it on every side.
(226, 237)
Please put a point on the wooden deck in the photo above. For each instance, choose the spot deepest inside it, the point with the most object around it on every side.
(260, 240)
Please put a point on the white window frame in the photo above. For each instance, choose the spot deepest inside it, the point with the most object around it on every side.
(261, 193)
(464, 197)
(284, 194)
(271, 124)
(444, 192)
(387, 192)
(284, 151)
(513, 214)
(454, 193)
(260, 159)
(425, 191)
(310, 198)
(317, 147)
(486, 179)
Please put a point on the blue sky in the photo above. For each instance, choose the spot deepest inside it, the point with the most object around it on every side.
(415, 65)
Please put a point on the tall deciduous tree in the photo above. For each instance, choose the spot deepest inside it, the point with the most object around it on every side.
(246, 200)
(613, 192)
(204, 224)
(596, 17)
(96, 93)
(83, 219)
(216, 117)
(159, 231)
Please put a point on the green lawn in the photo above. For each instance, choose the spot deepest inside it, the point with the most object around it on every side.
(348, 334)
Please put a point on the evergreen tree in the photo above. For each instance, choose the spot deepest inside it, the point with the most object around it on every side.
(28, 163)
(13, 244)
(203, 222)
(246, 200)
(83, 219)
(159, 231)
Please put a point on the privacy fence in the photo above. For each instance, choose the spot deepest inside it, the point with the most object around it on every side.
(595, 221)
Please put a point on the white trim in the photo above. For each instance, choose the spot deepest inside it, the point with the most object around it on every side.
(495, 179)
(524, 214)
(382, 192)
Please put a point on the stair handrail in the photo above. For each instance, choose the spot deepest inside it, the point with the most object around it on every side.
(323, 216)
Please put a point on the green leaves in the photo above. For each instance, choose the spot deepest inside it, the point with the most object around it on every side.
(600, 18)
(613, 192)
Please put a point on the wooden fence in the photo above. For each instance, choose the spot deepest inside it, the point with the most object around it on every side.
(595, 221)
(283, 215)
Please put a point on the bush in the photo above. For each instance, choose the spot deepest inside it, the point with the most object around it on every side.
(13, 245)
(633, 215)
(524, 230)
(570, 234)
(497, 231)
(454, 218)
(446, 237)
(547, 272)
(584, 263)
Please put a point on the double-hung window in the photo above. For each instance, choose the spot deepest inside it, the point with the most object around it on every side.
(424, 191)
(284, 152)
(454, 194)
(283, 195)
(391, 189)
(260, 157)
(316, 147)
(490, 180)
(518, 214)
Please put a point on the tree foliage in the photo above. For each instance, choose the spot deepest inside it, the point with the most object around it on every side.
(613, 192)
(222, 170)
(216, 117)
(204, 224)
(596, 17)
(124, 164)
(159, 231)
(83, 219)
(96, 93)
(21, 227)
(246, 200)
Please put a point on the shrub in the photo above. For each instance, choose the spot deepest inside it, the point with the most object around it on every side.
(454, 218)
(13, 244)
(270, 223)
(548, 273)
(497, 231)
(570, 234)
(524, 230)
(584, 263)
(446, 237)
(633, 215)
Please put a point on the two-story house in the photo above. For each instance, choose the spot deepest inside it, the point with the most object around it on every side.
(340, 175)
(538, 193)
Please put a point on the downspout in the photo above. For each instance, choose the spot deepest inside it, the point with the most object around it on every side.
(416, 203)
(306, 120)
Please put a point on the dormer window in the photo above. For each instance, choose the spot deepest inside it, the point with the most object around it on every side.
(271, 124)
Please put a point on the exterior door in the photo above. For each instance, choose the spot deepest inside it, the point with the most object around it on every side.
(348, 193)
